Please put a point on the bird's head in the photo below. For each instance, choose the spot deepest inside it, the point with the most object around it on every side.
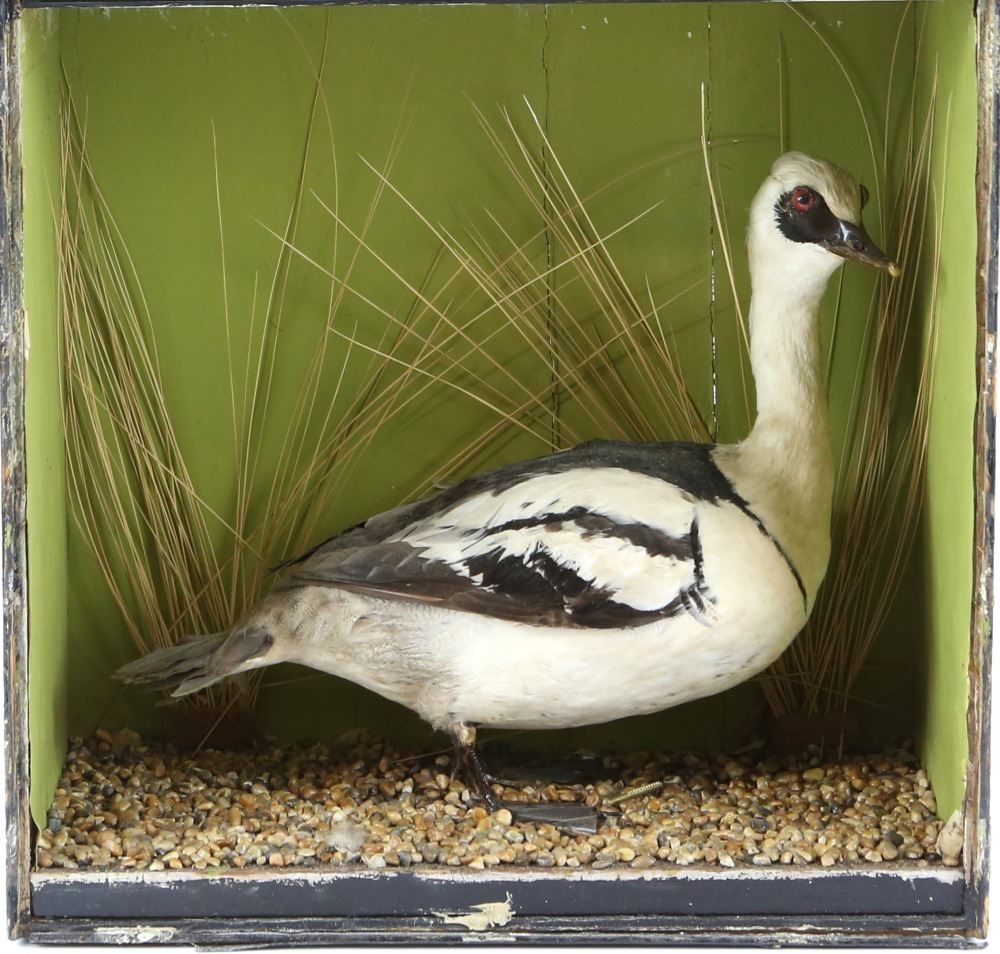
(807, 216)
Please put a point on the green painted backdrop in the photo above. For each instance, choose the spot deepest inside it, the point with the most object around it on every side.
(619, 89)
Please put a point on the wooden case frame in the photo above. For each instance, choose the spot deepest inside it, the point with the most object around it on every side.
(940, 907)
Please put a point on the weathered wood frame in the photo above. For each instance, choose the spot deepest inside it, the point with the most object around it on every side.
(897, 906)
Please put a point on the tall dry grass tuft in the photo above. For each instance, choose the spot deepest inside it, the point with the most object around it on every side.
(616, 361)
(151, 532)
(130, 490)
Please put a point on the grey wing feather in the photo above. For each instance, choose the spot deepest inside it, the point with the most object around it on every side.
(397, 571)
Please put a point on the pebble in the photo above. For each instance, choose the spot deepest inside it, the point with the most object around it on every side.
(888, 850)
(127, 804)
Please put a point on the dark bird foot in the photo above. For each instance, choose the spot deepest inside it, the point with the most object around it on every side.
(571, 817)
(566, 816)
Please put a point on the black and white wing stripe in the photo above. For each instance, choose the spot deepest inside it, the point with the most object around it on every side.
(604, 535)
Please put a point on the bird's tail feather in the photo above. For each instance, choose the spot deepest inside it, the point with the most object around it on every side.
(197, 662)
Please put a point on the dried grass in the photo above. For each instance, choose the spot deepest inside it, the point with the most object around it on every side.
(151, 532)
(617, 364)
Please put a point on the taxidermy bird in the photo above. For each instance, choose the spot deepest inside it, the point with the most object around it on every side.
(609, 580)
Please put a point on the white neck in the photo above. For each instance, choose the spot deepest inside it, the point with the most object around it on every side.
(784, 468)
(785, 357)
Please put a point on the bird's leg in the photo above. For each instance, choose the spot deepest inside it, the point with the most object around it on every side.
(568, 817)
(471, 766)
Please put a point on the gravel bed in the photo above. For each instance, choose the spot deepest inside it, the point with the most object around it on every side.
(127, 804)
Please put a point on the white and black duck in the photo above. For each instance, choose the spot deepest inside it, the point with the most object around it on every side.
(608, 580)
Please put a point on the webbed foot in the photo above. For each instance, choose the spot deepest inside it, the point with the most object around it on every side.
(572, 817)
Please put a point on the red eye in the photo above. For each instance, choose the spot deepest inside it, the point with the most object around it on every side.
(803, 199)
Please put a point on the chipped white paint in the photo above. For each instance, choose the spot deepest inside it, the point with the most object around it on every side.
(137, 934)
(482, 917)
(166, 880)
(952, 837)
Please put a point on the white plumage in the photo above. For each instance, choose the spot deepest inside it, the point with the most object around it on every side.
(604, 581)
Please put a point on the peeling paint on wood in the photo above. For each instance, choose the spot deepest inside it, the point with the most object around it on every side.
(904, 891)
(138, 934)
(12, 484)
(482, 917)
(976, 848)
